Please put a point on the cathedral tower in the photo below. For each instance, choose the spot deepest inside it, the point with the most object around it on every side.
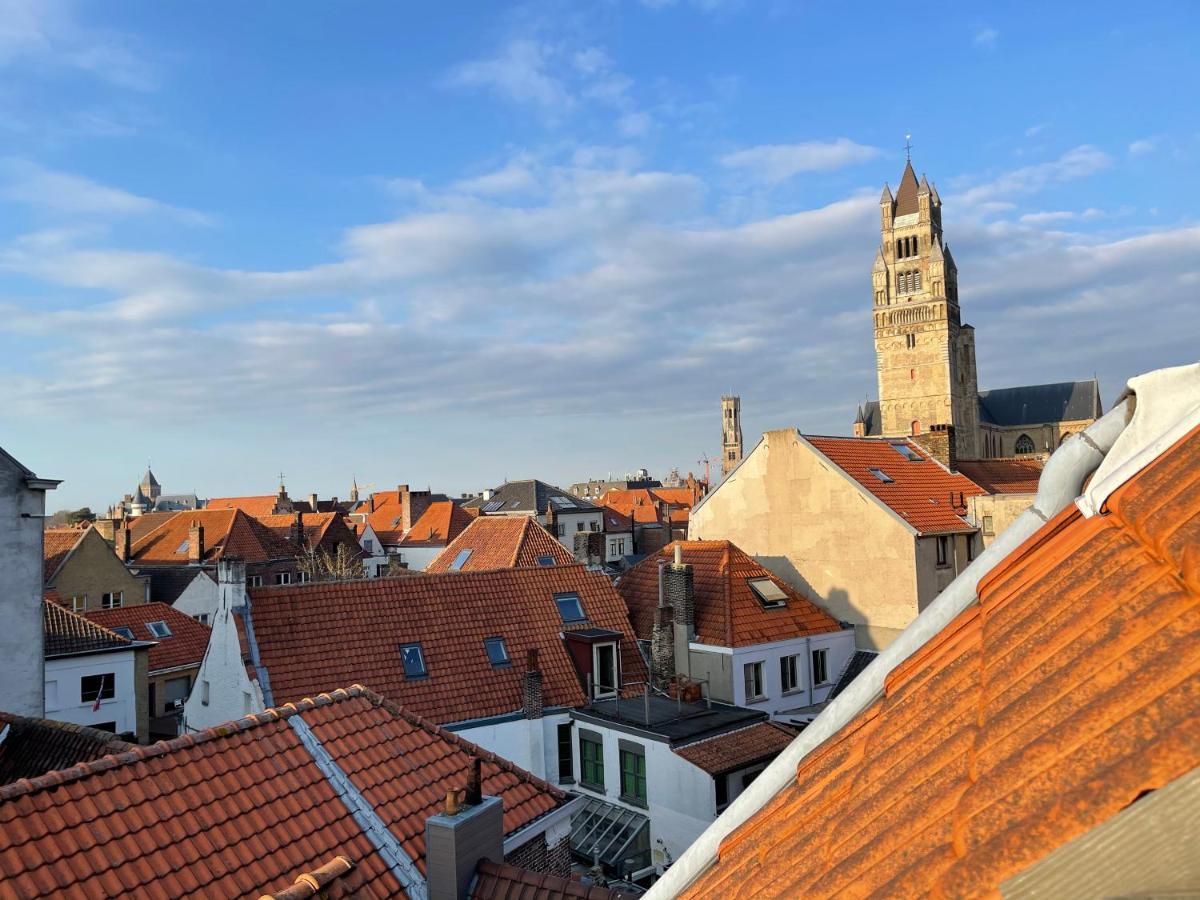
(731, 433)
(925, 356)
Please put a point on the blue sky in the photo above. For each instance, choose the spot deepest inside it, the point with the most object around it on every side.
(451, 245)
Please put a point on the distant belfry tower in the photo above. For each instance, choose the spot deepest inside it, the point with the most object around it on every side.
(925, 355)
(731, 433)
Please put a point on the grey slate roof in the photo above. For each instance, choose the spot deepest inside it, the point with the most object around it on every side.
(906, 195)
(531, 497)
(1038, 403)
(871, 419)
(167, 583)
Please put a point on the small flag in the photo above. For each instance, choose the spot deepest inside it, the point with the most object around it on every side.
(99, 694)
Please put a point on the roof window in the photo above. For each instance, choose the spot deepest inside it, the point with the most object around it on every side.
(460, 560)
(414, 661)
(882, 476)
(493, 506)
(907, 452)
(569, 607)
(159, 629)
(182, 547)
(514, 504)
(497, 651)
(124, 631)
(563, 502)
(769, 594)
(545, 560)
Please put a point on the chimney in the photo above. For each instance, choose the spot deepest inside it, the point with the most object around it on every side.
(297, 531)
(662, 636)
(312, 502)
(106, 527)
(371, 502)
(457, 838)
(196, 542)
(231, 583)
(681, 596)
(123, 544)
(939, 442)
(531, 686)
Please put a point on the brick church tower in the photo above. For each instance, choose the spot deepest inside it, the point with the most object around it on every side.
(731, 433)
(925, 356)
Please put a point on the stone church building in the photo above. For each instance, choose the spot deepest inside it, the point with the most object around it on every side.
(925, 353)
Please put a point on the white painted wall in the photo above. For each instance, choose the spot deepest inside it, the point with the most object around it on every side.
(840, 646)
(681, 798)
(417, 558)
(199, 598)
(569, 523)
(63, 698)
(222, 690)
(531, 744)
(611, 553)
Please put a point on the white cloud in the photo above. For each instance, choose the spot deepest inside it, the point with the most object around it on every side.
(67, 194)
(985, 37)
(520, 73)
(774, 163)
(1035, 130)
(1079, 162)
(1142, 146)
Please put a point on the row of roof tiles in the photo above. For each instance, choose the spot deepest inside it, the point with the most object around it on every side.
(500, 542)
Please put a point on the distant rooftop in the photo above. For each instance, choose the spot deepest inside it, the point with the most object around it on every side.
(671, 719)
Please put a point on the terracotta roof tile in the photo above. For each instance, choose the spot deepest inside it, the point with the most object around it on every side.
(501, 542)
(68, 633)
(313, 636)
(57, 543)
(242, 809)
(441, 523)
(499, 881)
(251, 506)
(33, 747)
(645, 506)
(227, 532)
(1003, 476)
(185, 646)
(920, 491)
(1068, 691)
(733, 750)
(728, 612)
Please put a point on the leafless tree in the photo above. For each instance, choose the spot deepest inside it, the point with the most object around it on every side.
(321, 565)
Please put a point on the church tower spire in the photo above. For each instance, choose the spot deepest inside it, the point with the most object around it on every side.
(925, 355)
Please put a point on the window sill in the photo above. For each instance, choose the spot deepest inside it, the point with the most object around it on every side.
(635, 801)
(795, 690)
(763, 699)
(594, 788)
(566, 781)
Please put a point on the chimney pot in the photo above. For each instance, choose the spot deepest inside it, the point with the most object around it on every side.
(123, 544)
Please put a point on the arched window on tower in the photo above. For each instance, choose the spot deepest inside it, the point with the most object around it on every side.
(1024, 444)
(916, 426)
(916, 281)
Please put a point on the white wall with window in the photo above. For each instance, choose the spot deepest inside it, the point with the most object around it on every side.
(617, 545)
(787, 675)
(74, 683)
(568, 523)
(199, 598)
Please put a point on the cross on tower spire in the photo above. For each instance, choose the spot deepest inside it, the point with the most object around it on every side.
(908, 147)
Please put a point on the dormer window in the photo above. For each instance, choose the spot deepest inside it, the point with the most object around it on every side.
(604, 671)
(569, 607)
(413, 660)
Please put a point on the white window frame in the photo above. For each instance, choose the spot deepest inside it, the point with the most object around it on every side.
(283, 578)
(608, 691)
(254, 581)
(758, 681)
(112, 600)
(821, 653)
(789, 670)
(79, 603)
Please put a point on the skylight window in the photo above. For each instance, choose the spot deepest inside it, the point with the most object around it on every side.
(493, 506)
(460, 560)
(563, 502)
(907, 452)
(414, 661)
(882, 476)
(514, 504)
(769, 594)
(182, 547)
(545, 560)
(497, 651)
(569, 607)
(124, 631)
(159, 629)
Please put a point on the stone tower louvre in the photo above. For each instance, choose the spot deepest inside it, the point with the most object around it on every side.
(925, 356)
(731, 433)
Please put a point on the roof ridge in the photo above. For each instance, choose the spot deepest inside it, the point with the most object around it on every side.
(140, 753)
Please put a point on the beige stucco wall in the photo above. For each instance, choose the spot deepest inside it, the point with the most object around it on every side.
(1003, 509)
(817, 529)
(93, 569)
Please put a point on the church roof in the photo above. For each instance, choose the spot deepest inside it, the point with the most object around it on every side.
(869, 412)
(148, 480)
(906, 195)
(1035, 404)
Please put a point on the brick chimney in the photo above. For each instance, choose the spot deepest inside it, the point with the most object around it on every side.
(681, 596)
(123, 543)
(458, 837)
(531, 687)
(297, 531)
(662, 636)
(196, 542)
(939, 442)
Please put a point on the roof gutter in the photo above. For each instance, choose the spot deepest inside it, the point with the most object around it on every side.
(1061, 482)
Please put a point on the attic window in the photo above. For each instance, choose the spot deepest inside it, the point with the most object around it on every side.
(414, 661)
(159, 629)
(569, 607)
(907, 452)
(545, 560)
(769, 594)
(460, 560)
(882, 476)
(493, 506)
(563, 502)
(182, 547)
(497, 652)
(124, 631)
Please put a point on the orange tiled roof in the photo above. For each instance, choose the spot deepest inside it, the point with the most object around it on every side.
(318, 635)
(251, 506)
(226, 532)
(185, 646)
(921, 492)
(500, 881)
(387, 518)
(67, 633)
(441, 523)
(734, 750)
(1003, 476)
(243, 808)
(501, 542)
(1067, 692)
(328, 527)
(642, 504)
(728, 613)
(57, 543)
